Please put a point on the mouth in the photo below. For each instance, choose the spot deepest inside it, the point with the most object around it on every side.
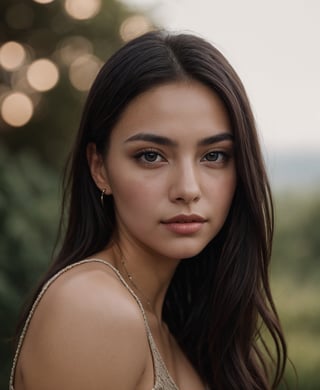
(185, 219)
(183, 225)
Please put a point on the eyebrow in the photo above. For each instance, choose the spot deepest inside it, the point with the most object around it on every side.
(216, 138)
(157, 139)
(161, 140)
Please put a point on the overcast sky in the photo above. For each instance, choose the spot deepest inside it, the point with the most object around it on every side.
(275, 47)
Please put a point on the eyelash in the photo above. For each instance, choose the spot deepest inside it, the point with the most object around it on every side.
(140, 156)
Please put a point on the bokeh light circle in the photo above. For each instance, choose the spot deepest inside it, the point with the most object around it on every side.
(82, 9)
(83, 71)
(42, 75)
(73, 47)
(17, 109)
(134, 26)
(12, 55)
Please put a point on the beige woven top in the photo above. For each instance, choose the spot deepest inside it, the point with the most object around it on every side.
(162, 378)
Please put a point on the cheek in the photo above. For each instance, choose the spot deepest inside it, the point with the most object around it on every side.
(135, 195)
(224, 185)
(229, 187)
(223, 193)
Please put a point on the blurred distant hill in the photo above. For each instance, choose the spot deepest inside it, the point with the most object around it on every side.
(297, 171)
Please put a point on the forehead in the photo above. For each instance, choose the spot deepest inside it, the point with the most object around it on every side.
(176, 110)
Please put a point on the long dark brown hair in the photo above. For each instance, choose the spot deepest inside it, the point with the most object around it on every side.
(218, 305)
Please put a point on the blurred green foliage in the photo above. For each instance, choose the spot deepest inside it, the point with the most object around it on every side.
(296, 284)
(298, 235)
(28, 215)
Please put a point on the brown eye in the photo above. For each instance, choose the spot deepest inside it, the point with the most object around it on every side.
(212, 156)
(218, 157)
(150, 156)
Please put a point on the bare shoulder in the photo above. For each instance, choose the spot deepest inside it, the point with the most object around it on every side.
(86, 332)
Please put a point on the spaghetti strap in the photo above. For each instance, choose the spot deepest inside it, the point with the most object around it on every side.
(163, 380)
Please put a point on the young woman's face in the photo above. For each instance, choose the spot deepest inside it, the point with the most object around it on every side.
(171, 169)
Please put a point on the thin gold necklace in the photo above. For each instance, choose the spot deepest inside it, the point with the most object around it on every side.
(134, 285)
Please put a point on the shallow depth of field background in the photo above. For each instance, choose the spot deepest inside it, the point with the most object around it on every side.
(50, 51)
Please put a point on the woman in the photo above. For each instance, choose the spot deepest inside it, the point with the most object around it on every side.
(162, 278)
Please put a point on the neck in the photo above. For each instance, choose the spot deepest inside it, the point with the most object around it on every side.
(148, 275)
(133, 283)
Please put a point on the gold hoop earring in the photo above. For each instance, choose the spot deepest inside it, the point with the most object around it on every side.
(102, 196)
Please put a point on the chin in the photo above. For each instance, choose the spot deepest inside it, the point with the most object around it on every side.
(185, 252)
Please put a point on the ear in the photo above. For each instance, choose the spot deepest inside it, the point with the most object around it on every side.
(98, 169)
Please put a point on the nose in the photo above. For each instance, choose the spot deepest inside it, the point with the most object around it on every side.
(185, 186)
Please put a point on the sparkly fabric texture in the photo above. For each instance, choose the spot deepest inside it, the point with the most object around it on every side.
(162, 378)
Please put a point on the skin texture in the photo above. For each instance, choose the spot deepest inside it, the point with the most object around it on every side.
(88, 331)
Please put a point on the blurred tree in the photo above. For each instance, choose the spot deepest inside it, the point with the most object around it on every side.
(28, 214)
(77, 36)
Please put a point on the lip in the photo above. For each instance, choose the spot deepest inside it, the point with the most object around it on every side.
(184, 224)
(185, 218)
